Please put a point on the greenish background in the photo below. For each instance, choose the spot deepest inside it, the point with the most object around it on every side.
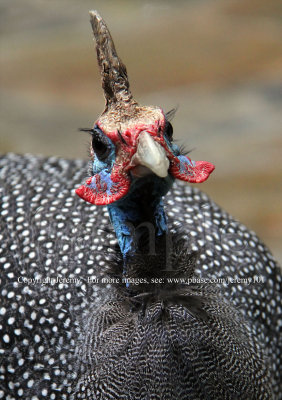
(219, 61)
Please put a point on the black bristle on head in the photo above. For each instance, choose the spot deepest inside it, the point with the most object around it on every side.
(87, 130)
(168, 127)
(170, 114)
(183, 150)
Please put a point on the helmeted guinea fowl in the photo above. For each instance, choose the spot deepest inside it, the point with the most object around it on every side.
(65, 335)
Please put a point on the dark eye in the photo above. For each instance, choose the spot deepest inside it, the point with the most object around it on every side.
(100, 144)
(169, 130)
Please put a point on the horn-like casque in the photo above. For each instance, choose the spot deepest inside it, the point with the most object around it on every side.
(113, 71)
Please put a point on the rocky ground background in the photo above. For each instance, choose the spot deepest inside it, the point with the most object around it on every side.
(219, 61)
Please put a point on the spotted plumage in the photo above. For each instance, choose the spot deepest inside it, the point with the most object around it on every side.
(48, 232)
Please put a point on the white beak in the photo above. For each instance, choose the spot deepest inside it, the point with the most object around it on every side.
(151, 154)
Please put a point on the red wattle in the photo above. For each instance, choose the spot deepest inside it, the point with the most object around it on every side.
(193, 174)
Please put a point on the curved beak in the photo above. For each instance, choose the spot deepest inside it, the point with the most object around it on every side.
(150, 155)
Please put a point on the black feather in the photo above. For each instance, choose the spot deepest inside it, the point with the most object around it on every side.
(170, 114)
(162, 277)
(183, 150)
(88, 130)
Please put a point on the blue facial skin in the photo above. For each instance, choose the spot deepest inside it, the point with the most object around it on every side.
(142, 205)
(172, 146)
(105, 176)
(128, 213)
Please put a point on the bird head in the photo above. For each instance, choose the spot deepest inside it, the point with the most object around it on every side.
(130, 142)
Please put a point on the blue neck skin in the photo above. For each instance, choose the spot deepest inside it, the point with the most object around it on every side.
(141, 210)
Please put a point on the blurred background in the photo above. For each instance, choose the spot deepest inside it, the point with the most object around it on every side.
(219, 61)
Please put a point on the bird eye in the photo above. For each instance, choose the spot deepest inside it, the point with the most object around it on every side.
(169, 130)
(100, 145)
